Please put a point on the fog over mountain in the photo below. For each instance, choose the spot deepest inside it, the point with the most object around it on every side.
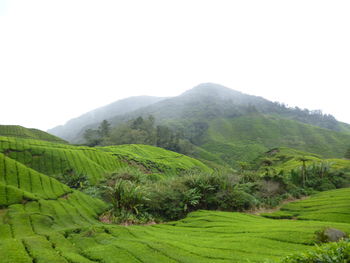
(207, 100)
(69, 130)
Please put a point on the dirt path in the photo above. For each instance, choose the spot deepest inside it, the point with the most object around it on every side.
(265, 210)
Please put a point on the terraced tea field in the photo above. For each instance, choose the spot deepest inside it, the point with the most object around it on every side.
(332, 206)
(287, 159)
(54, 159)
(201, 237)
(67, 230)
(44, 221)
(156, 159)
(21, 132)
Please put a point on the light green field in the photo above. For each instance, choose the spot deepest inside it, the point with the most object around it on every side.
(19, 131)
(244, 138)
(52, 226)
(287, 159)
(155, 159)
(54, 159)
(204, 236)
(44, 221)
(331, 206)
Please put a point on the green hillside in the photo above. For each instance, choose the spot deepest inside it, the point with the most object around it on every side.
(55, 159)
(66, 230)
(155, 159)
(73, 127)
(331, 206)
(19, 131)
(43, 220)
(35, 210)
(287, 159)
(224, 126)
(245, 138)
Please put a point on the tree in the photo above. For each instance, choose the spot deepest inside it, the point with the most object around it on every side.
(347, 154)
(303, 159)
(104, 129)
(92, 137)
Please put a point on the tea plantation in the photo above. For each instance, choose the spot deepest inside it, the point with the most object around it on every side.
(54, 159)
(45, 221)
(332, 206)
(66, 230)
(22, 132)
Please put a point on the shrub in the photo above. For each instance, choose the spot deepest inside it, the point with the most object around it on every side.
(235, 200)
(74, 180)
(127, 199)
(329, 253)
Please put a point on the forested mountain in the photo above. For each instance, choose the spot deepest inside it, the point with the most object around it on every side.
(225, 126)
(210, 100)
(70, 130)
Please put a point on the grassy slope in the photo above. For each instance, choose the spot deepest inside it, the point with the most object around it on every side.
(287, 159)
(207, 236)
(333, 206)
(49, 222)
(34, 209)
(66, 230)
(244, 138)
(42, 220)
(19, 131)
(203, 236)
(53, 158)
(156, 159)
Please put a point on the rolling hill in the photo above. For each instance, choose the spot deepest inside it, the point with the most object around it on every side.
(72, 128)
(49, 222)
(287, 159)
(22, 132)
(43, 220)
(226, 126)
(54, 159)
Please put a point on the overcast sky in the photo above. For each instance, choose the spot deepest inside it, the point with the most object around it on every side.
(59, 59)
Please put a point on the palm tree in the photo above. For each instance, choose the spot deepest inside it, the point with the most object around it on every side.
(303, 159)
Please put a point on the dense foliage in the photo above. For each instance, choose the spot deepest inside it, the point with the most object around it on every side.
(138, 131)
(330, 253)
(173, 198)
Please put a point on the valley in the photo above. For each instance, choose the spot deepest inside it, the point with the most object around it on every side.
(175, 180)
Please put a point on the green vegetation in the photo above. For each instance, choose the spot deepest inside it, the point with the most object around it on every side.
(331, 253)
(332, 206)
(66, 230)
(220, 125)
(258, 185)
(138, 131)
(347, 153)
(72, 130)
(155, 159)
(19, 131)
(245, 138)
(57, 159)
(51, 208)
(137, 199)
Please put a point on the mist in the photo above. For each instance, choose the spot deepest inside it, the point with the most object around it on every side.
(62, 59)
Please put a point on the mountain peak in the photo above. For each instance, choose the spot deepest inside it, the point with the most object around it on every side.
(213, 90)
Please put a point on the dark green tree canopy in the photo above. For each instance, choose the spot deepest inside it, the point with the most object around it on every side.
(104, 129)
(347, 153)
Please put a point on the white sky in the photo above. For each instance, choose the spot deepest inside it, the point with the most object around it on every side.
(59, 59)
